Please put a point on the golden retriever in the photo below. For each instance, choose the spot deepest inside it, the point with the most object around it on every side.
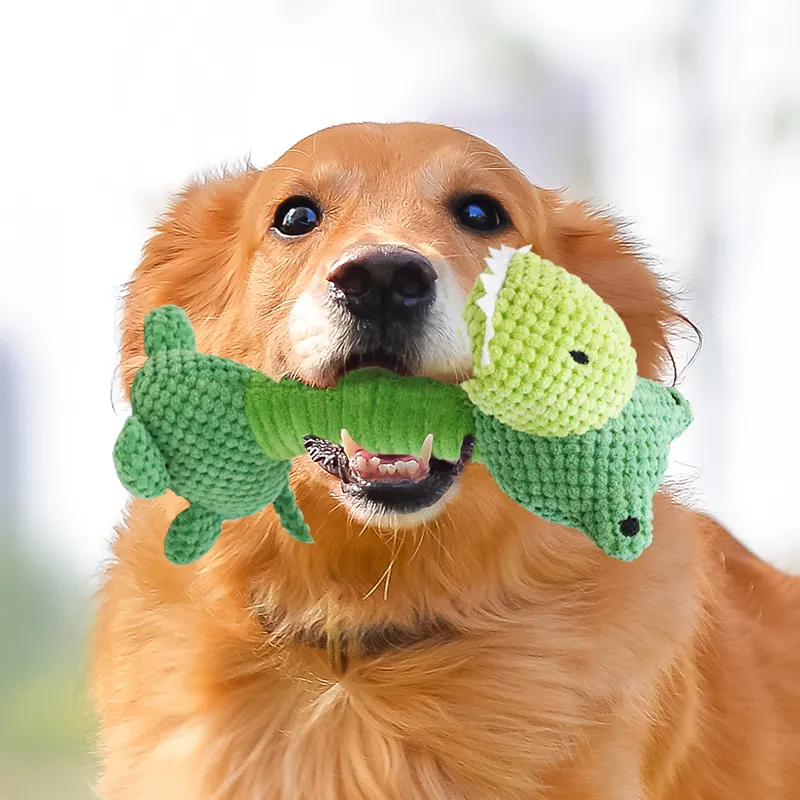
(445, 648)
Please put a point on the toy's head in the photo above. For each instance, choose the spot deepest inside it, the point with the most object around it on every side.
(549, 356)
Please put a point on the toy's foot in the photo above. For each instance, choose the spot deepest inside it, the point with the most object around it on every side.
(290, 515)
(140, 465)
(192, 534)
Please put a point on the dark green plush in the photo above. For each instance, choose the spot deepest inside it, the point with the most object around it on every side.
(189, 433)
(601, 482)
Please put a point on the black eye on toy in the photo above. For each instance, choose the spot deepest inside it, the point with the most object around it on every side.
(297, 216)
(629, 526)
(579, 356)
(480, 213)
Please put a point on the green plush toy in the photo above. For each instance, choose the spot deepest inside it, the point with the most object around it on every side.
(222, 435)
(554, 408)
(564, 424)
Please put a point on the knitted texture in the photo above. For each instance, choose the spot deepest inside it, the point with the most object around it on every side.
(384, 413)
(168, 329)
(189, 433)
(549, 356)
(556, 410)
(601, 482)
(140, 465)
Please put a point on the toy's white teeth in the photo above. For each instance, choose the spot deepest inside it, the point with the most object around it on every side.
(493, 278)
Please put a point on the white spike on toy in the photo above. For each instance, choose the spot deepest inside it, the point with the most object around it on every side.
(493, 279)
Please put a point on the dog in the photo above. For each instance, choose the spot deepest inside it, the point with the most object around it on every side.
(447, 646)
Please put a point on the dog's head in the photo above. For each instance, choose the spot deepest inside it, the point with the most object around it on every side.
(358, 247)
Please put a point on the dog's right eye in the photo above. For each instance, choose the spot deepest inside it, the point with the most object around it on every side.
(297, 216)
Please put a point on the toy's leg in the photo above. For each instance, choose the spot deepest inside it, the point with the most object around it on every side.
(290, 515)
(192, 534)
(139, 462)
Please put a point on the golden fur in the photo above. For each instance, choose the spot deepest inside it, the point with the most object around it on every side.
(572, 675)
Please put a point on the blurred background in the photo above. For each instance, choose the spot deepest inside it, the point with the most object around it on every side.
(683, 116)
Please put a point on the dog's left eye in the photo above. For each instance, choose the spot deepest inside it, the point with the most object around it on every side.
(481, 213)
(297, 216)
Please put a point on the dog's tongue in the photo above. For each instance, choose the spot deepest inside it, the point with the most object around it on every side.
(387, 467)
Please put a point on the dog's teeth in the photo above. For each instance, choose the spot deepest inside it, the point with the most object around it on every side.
(409, 467)
(391, 469)
(361, 463)
(383, 469)
(349, 444)
(427, 449)
(374, 461)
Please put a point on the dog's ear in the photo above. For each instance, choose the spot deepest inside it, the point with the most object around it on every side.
(594, 246)
(196, 259)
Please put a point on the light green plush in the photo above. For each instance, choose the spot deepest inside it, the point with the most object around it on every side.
(549, 356)
(556, 410)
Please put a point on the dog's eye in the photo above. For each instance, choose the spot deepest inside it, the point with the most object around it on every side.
(478, 212)
(297, 216)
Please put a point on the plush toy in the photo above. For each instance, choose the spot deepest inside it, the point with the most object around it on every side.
(222, 435)
(554, 408)
(564, 424)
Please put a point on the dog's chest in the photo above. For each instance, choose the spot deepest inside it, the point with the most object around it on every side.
(400, 728)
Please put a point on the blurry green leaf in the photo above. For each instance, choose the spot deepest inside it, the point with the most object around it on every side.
(784, 123)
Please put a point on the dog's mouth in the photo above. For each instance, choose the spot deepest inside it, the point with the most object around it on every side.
(376, 358)
(390, 483)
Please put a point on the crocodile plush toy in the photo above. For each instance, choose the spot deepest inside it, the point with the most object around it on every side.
(554, 409)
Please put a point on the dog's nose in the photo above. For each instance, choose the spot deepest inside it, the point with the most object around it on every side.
(384, 282)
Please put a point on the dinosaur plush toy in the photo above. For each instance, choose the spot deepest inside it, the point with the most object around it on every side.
(554, 409)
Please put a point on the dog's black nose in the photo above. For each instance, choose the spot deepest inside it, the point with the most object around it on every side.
(384, 282)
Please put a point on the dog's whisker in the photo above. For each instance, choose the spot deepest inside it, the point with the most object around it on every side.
(421, 537)
(391, 564)
(282, 306)
(288, 169)
(378, 582)
(298, 150)
(442, 548)
(368, 522)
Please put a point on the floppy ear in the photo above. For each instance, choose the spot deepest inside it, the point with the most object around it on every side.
(193, 260)
(593, 246)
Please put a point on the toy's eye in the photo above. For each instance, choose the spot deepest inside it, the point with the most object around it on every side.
(297, 216)
(481, 213)
(629, 526)
(579, 356)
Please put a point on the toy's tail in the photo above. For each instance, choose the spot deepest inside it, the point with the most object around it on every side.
(682, 415)
(167, 328)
